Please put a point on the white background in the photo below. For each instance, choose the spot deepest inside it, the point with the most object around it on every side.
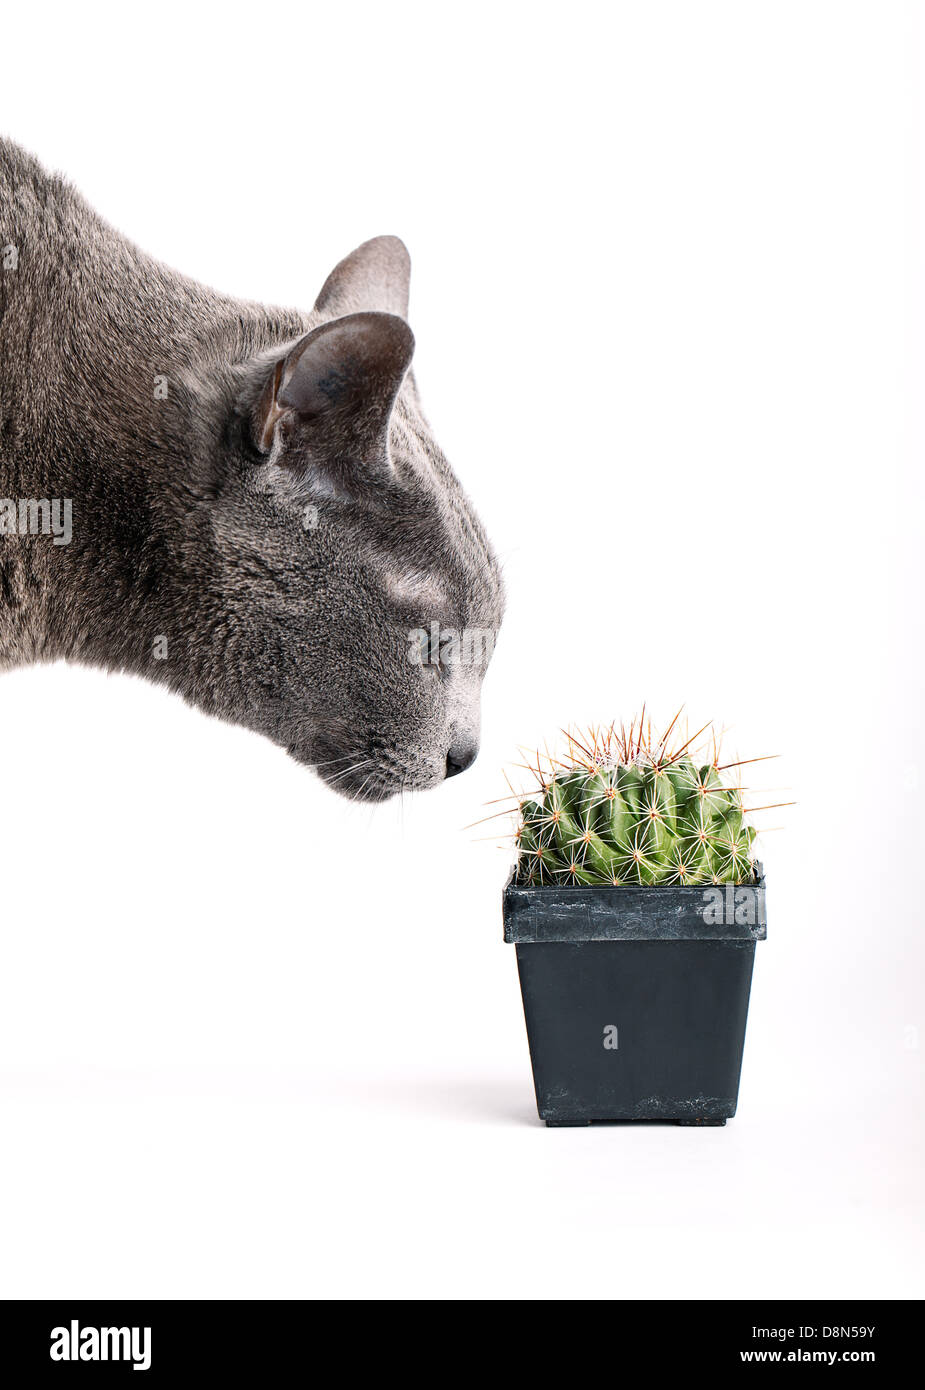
(667, 294)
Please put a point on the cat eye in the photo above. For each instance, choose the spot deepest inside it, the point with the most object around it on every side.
(430, 651)
(426, 647)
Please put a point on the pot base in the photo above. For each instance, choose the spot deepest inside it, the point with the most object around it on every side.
(581, 1124)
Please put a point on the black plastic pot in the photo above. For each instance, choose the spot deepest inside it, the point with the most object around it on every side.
(635, 999)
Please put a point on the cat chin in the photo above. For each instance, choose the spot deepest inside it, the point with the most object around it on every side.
(363, 785)
(366, 776)
(359, 780)
(350, 775)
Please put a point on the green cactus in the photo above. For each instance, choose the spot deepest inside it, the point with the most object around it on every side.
(634, 815)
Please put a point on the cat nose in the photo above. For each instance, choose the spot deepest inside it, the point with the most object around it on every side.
(460, 756)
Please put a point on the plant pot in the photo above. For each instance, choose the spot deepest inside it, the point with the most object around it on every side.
(635, 999)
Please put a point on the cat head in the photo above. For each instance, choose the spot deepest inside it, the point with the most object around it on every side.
(361, 595)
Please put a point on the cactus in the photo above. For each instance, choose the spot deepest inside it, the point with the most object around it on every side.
(624, 809)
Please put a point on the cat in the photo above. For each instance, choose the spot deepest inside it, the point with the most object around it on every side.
(243, 504)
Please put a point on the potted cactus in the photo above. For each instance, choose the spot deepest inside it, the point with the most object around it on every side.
(635, 904)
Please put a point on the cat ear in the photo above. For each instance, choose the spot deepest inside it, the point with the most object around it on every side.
(324, 411)
(374, 276)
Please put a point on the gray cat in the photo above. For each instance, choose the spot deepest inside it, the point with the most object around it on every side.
(244, 504)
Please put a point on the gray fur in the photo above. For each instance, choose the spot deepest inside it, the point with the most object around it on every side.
(189, 512)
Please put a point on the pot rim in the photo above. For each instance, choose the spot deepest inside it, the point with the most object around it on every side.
(604, 912)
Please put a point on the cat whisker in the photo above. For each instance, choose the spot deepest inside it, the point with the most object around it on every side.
(346, 772)
(358, 795)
